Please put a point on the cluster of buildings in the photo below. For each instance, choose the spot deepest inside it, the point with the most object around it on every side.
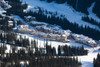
(29, 18)
(23, 29)
(44, 31)
(62, 35)
(53, 34)
(4, 4)
(10, 23)
(84, 40)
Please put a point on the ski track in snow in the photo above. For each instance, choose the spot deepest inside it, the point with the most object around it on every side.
(72, 16)
(62, 9)
(86, 60)
(92, 15)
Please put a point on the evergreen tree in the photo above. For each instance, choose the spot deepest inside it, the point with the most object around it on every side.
(59, 50)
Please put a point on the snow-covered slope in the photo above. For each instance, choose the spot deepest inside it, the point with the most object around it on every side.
(92, 15)
(73, 16)
(62, 9)
(87, 60)
(3, 9)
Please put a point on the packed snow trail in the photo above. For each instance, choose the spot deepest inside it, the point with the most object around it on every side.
(62, 9)
(91, 14)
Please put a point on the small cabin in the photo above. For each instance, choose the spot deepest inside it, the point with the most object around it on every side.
(25, 31)
(10, 23)
(24, 26)
(29, 18)
(84, 40)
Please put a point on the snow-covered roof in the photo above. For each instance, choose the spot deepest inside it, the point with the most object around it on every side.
(10, 21)
(84, 38)
(21, 26)
(28, 17)
(31, 8)
(25, 29)
(41, 33)
(35, 22)
(68, 31)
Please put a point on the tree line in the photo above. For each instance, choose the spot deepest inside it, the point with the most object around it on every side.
(96, 8)
(11, 38)
(80, 5)
(36, 58)
(71, 51)
(14, 60)
(53, 19)
(91, 21)
(96, 61)
(17, 7)
(4, 23)
(65, 24)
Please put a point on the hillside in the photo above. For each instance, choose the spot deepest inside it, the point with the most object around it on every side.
(63, 9)
(49, 33)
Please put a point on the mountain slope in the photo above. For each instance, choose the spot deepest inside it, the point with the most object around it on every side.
(62, 9)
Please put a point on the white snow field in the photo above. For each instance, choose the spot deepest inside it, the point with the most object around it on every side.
(73, 16)
(62, 9)
(87, 60)
(92, 15)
